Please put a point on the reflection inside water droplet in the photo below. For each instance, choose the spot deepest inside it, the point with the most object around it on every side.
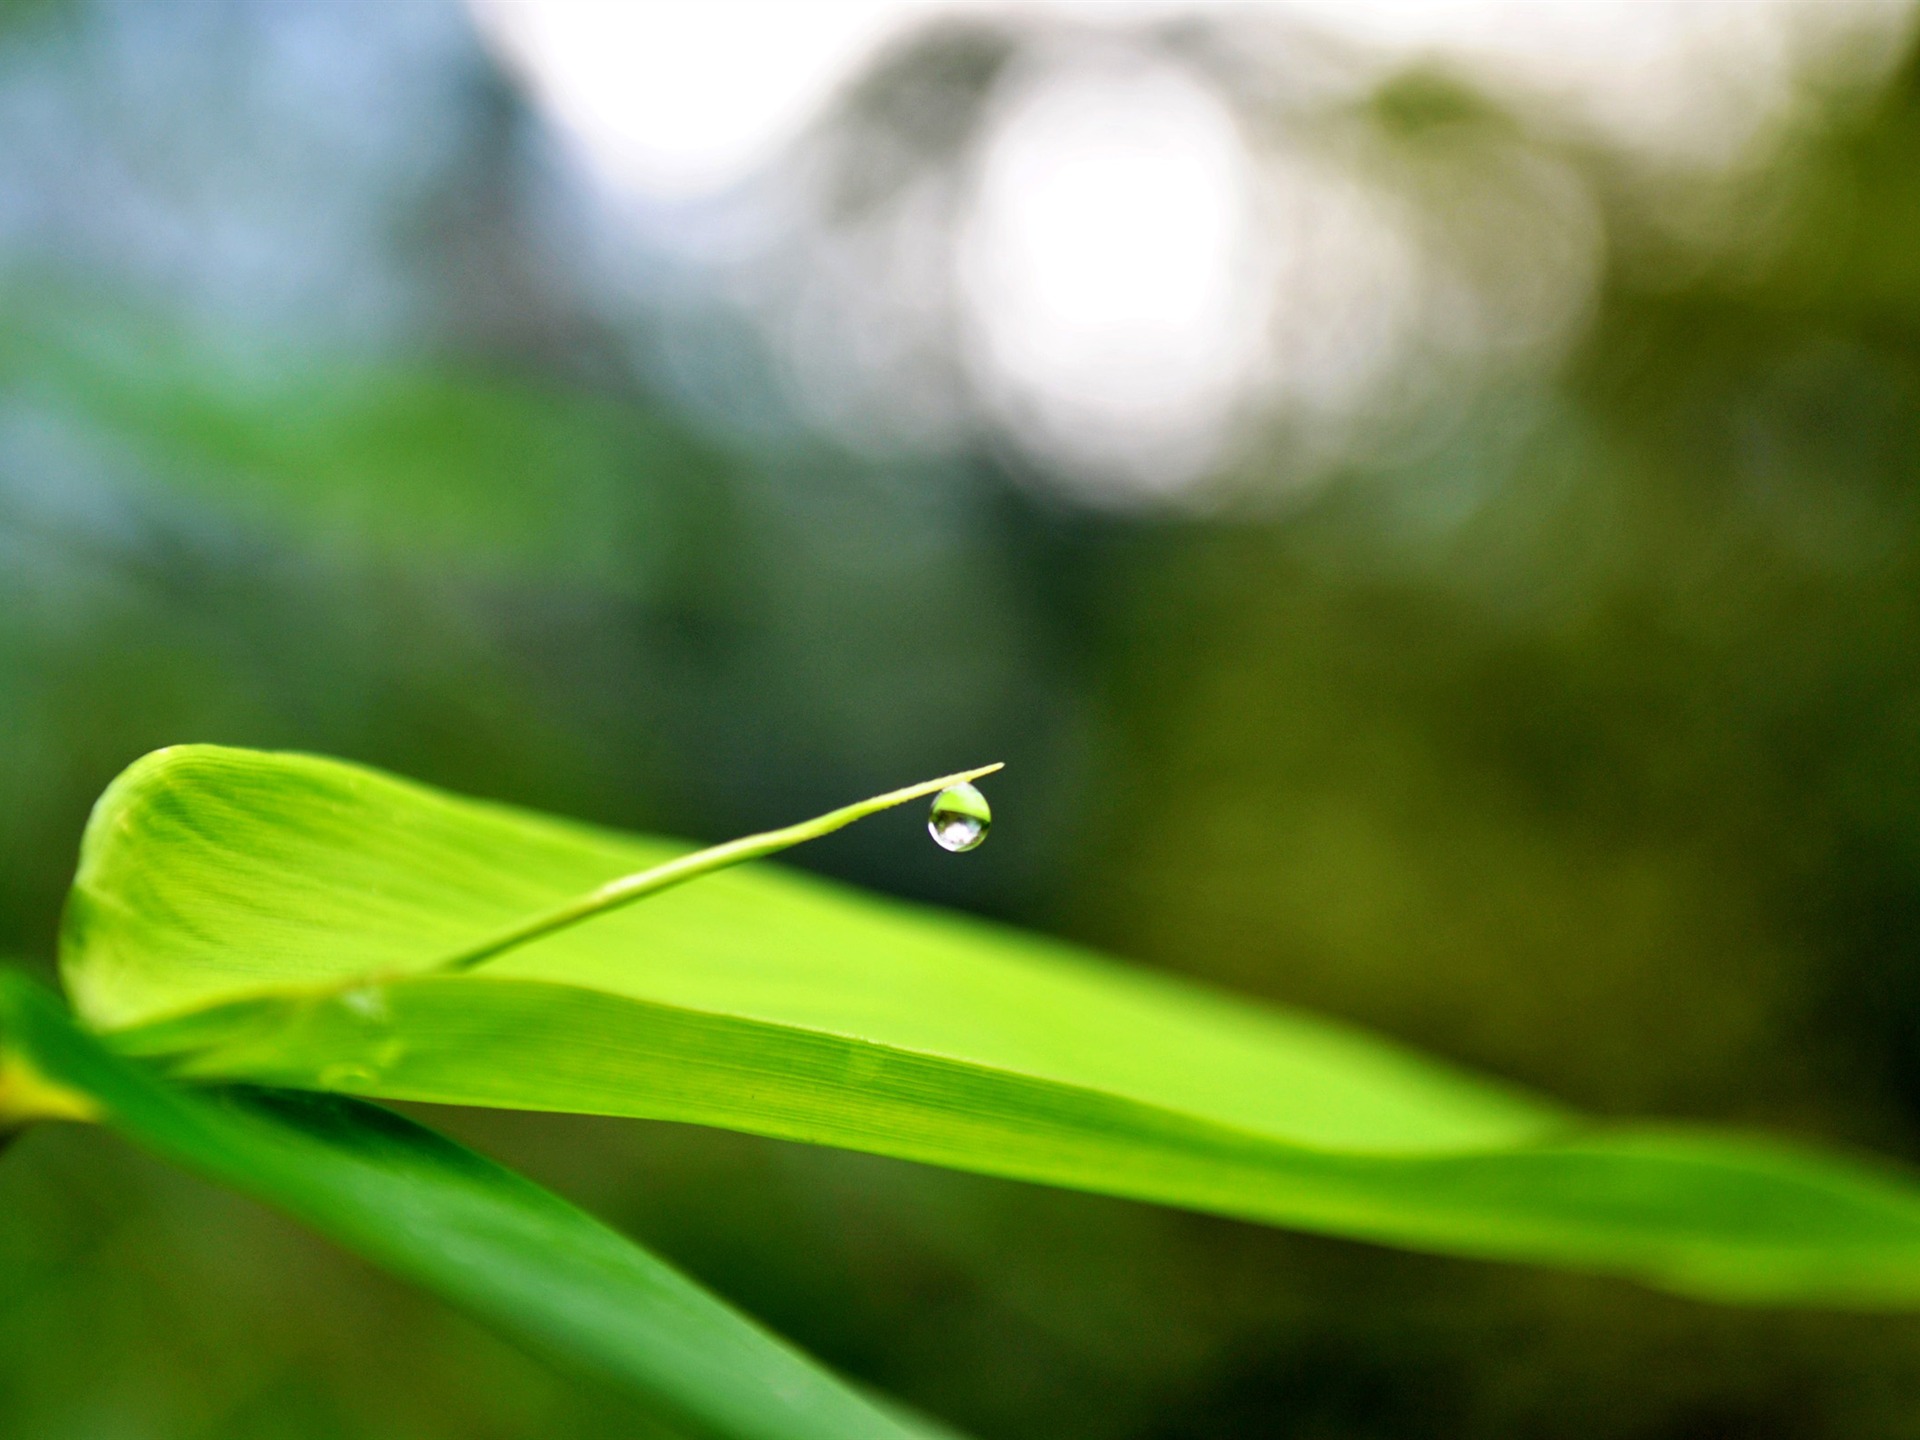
(959, 818)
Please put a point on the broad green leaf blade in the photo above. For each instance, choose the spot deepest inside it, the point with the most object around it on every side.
(254, 917)
(211, 874)
(457, 1224)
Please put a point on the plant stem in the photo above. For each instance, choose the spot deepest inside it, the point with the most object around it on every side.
(642, 883)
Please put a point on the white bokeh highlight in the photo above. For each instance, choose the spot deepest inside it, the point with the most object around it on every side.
(680, 100)
(1117, 281)
(1114, 304)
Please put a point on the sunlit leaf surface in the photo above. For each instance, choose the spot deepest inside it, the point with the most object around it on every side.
(427, 1209)
(255, 917)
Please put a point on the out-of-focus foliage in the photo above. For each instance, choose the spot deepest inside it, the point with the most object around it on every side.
(556, 484)
(462, 1228)
(1569, 735)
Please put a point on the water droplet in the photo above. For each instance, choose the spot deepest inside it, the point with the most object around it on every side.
(959, 818)
(346, 1075)
(368, 1003)
(359, 1030)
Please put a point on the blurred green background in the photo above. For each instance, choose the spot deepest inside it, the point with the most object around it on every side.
(1559, 711)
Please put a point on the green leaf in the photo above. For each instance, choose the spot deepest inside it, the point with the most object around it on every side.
(255, 916)
(457, 1224)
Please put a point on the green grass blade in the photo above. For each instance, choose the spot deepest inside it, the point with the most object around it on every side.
(255, 916)
(457, 1224)
(626, 889)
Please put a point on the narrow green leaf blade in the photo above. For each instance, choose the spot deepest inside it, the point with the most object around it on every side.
(459, 1225)
(255, 917)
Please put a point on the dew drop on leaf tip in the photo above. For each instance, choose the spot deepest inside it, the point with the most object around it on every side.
(959, 818)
